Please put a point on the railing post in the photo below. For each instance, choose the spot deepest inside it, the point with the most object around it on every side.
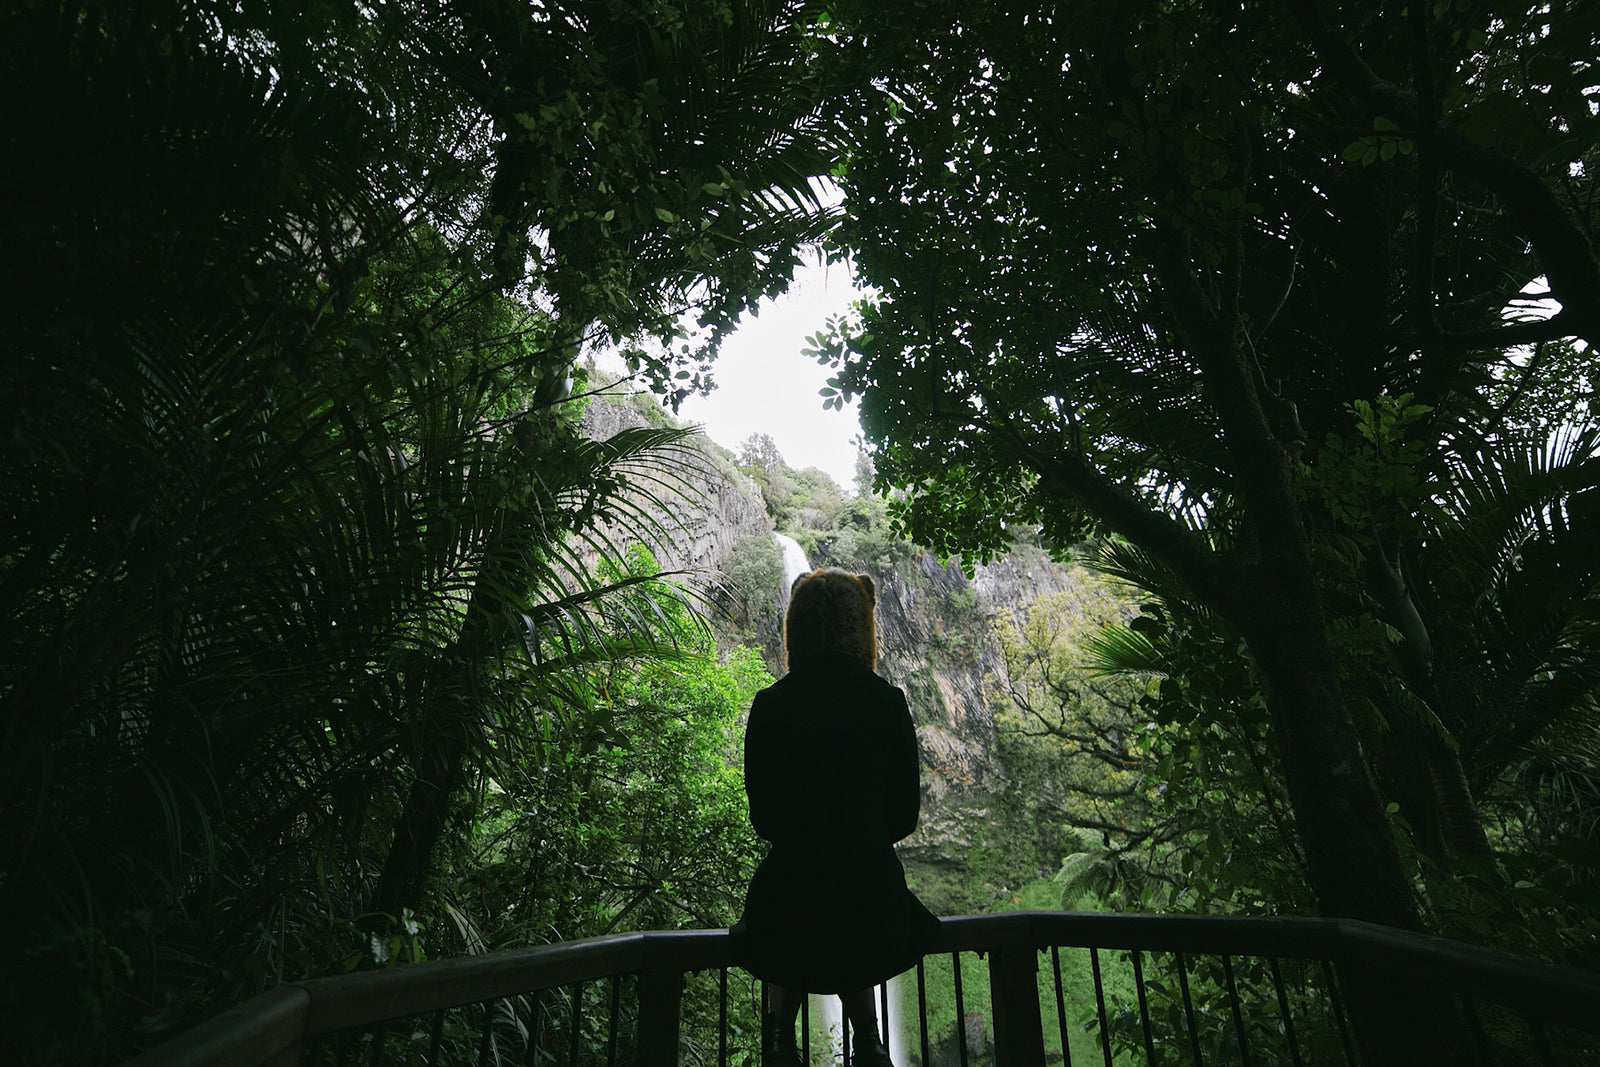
(660, 994)
(1014, 991)
(1399, 1021)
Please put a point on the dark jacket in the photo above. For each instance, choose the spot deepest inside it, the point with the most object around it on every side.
(831, 772)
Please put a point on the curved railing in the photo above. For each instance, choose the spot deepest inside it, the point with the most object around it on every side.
(1149, 989)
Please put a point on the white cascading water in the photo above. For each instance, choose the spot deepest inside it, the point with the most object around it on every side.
(827, 1008)
(794, 561)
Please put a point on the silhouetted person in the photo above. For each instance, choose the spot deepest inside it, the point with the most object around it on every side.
(830, 767)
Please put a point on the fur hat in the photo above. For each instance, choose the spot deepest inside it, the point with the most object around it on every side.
(831, 611)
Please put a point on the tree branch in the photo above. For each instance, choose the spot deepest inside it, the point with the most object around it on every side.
(1071, 476)
(1558, 327)
(1564, 251)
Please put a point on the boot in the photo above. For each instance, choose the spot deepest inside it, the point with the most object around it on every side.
(778, 1049)
(870, 1053)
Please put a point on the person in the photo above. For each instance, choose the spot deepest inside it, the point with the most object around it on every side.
(831, 773)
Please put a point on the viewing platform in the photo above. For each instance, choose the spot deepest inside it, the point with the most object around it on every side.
(1160, 990)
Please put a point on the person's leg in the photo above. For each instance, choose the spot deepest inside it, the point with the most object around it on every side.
(785, 1006)
(862, 1012)
(778, 1046)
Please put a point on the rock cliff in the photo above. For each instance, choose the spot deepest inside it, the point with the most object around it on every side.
(722, 508)
(936, 641)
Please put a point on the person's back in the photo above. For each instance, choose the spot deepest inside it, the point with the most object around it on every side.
(829, 754)
(831, 773)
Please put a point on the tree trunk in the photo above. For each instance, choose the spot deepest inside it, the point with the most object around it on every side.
(446, 739)
(1355, 868)
(440, 775)
(1275, 602)
(1420, 769)
(1459, 821)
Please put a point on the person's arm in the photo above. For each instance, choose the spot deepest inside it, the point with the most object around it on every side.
(760, 775)
(905, 785)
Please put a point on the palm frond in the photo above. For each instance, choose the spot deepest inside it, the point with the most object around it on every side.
(1118, 650)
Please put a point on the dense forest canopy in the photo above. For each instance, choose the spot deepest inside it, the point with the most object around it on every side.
(306, 561)
(327, 633)
(1256, 289)
(1248, 288)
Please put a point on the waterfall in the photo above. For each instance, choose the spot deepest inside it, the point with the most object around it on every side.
(825, 1009)
(794, 561)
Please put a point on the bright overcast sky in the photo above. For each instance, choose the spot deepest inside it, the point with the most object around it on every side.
(764, 384)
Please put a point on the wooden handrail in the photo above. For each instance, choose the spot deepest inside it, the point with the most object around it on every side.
(261, 1028)
(1556, 994)
(258, 1031)
(270, 1028)
(349, 1000)
(1311, 938)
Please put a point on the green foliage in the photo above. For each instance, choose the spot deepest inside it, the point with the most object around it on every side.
(1375, 473)
(759, 458)
(1258, 310)
(395, 591)
(1077, 985)
(1138, 757)
(298, 568)
(755, 577)
(862, 537)
(836, 530)
(760, 451)
(307, 659)
(1213, 1029)
(636, 817)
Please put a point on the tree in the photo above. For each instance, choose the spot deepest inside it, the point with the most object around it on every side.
(755, 579)
(864, 472)
(627, 165)
(760, 452)
(1134, 262)
(1071, 745)
(759, 458)
(299, 524)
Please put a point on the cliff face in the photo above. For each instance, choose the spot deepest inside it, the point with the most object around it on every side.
(705, 526)
(936, 642)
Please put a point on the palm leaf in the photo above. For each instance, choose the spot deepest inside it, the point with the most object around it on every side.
(1119, 650)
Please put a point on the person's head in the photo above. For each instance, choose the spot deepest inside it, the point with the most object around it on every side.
(831, 611)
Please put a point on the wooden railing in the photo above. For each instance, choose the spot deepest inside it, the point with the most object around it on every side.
(1165, 989)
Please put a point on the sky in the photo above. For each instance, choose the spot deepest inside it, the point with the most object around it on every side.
(764, 384)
